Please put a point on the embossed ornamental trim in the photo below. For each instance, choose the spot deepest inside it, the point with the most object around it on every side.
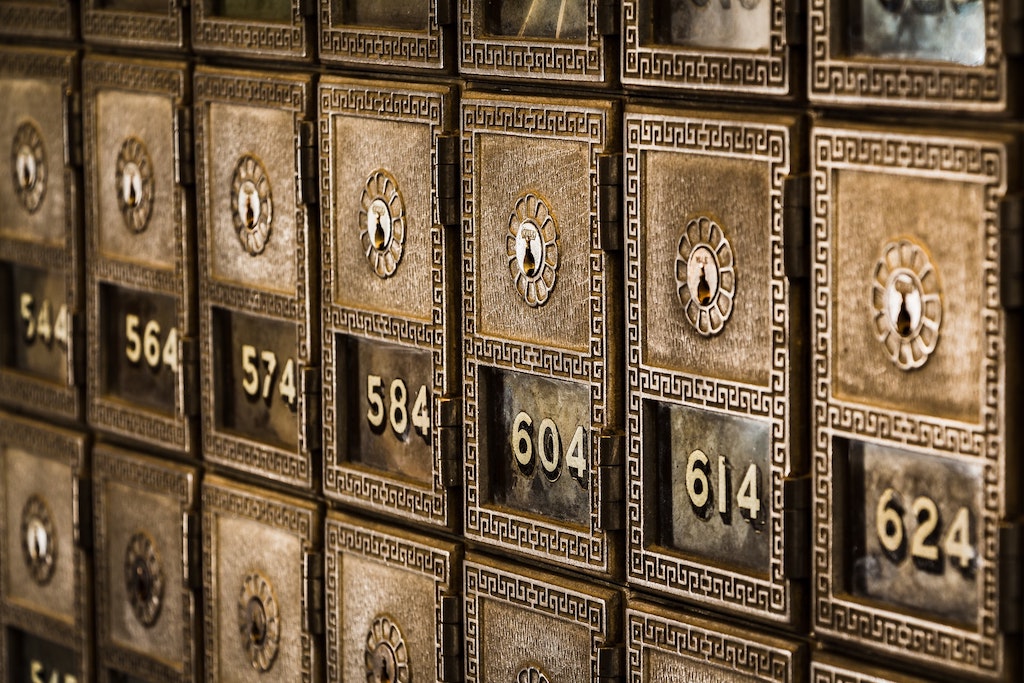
(384, 47)
(136, 29)
(253, 38)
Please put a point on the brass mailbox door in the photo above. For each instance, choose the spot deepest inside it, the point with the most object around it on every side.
(258, 274)
(541, 323)
(744, 48)
(913, 529)
(138, 24)
(533, 627)
(666, 646)
(393, 604)
(563, 40)
(41, 293)
(45, 579)
(142, 352)
(146, 540)
(930, 55)
(714, 211)
(52, 19)
(828, 668)
(388, 34)
(390, 295)
(263, 30)
(262, 585)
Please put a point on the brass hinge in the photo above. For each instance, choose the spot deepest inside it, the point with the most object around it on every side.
(450, 439)
(192, 550)
(308, 8)
(611, 664)
(188, 353)
(1009, 577)
(608, 17)
(308, 160)
(445, 12)
(448, 179)
(184, 173)
(1013, 28)
(1011, 252)
(73, 129)
(76, 354)
(796, 227)
(611, 458)
(309, 387)
(796, 26)
(82, 493)
(451, 639)
(313, 583)
(796, 521)
(609, 201)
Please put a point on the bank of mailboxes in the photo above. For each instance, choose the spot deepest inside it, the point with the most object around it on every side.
(147, 567)
(258, 274)
(45, 577)
(392, 422)
(916, 290)
(42, 349)
(542, 309)
(143, 325)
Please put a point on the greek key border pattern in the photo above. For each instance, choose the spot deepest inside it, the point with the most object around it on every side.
(835, 78)
(705, 69)
(650, 630)
(485, 581)
(835, 615)
(113, 465)
(134, 28)
(30, 19)
(373, 46)
(215, 34)
(658, 568)
(590, 547)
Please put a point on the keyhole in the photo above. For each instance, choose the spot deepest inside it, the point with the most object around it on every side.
(703, 288)
(529, 262)
(36, 540)
(141, 582)
(385, 677)
(903, 323)
(26, 169)
(250, 215)
(257, 622)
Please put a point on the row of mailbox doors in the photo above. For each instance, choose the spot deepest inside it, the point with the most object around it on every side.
(926, 54)
(115, 590)
(733, 360)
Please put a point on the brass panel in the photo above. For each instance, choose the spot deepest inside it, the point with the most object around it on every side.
(41, 295)
(514, 614)
(554, 41)
(146, 529)
(52, 19)
(670, 646)
(390, 383)
(265, 29)
(142, 370)
(828, 668)
(139, 24)
(45, 580)
(912, 427)
(260, 615)
(541, 311)
(387, 34)
(386, 591)
(258, 274)
(715, 359)
(939, 56)
(743, 48)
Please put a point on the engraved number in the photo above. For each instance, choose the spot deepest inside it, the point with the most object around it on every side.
(549, 448)
(147, 343)
(251, 384)
(702, 496)
(43, 326)
(925, 548)
(397, 410)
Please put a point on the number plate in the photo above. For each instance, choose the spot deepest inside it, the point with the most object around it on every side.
(390, 384)
(907, 300)
(669, 645)
(714, 375)
(259, 275)
(260, 586)
(710, 45)
(45, 579)
(145, 535)
(393, 602)
(264, 29)
(387, 34)
(512, 618)
(31, 18)
(41, 299)
(148, 24)
(532, 248)
(927, 54)
(143, 375)
(550, 40)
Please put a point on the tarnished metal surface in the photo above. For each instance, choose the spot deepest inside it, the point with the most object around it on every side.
(913, 528)
(826, 668)
(388, 34)
(536, 246)
(390, 296)
(45, 578)
(715, 291)
(138, 24)
(261, 29)
(147, 568)
(258, 274)
(143, 324)
(41, 293)
(54, 20)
